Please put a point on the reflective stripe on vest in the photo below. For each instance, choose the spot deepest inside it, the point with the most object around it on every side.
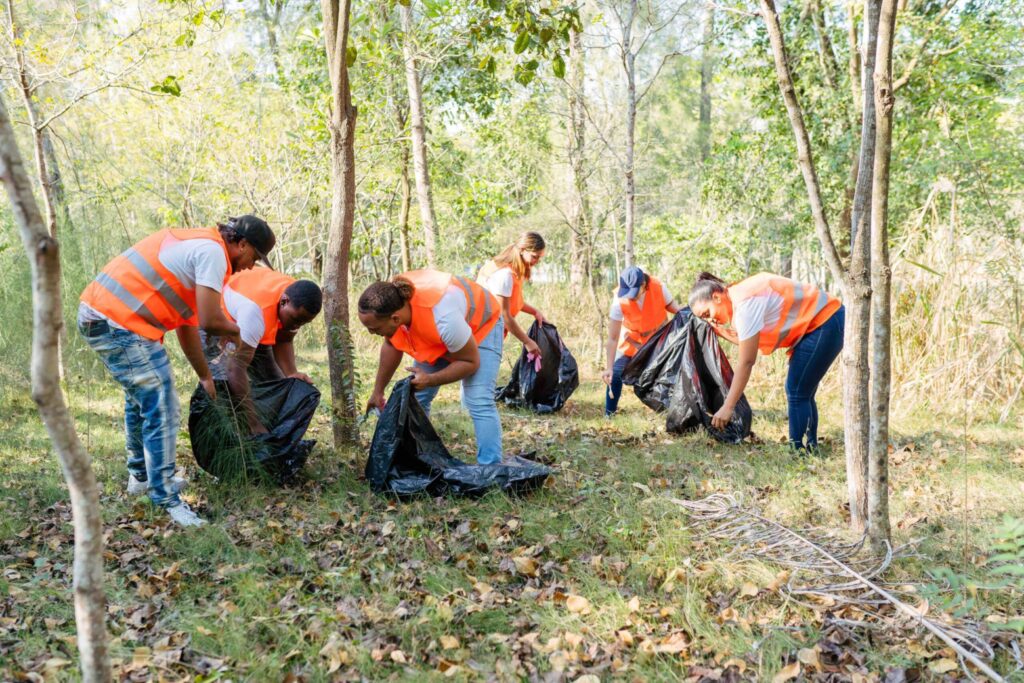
(158, 283)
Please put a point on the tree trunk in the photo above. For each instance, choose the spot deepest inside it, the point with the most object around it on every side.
(43, 252)
(342, 125)
(706, 74)
(424, 195)
(271, 22)
(579, 214)
(881, 276)
(403, 212)
(826, 55)
(629, 62)
(857, 297)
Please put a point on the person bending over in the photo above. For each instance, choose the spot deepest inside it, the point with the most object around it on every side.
(453, 330)
(768, 312)
(641, 305)
(171, 280)
(504, 275)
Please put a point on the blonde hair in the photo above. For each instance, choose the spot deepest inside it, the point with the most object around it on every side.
(512, 255)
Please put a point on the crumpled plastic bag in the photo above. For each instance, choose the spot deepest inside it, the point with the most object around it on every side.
(542, 384)
(408, 457)
(683, 371)
(219, 433)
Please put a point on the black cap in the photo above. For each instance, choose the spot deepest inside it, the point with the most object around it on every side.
(256, 232)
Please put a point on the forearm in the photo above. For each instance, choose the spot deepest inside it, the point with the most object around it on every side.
(390, 359)
(610, 352)
(219, 324)
(529, 310)
(739, 384)
(188, 338)
(455, 371)
(284, 356)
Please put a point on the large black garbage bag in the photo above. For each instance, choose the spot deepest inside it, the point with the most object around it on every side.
(704, 378)
(219, 433)
(653, 371)
(545, 390)
(407, 457)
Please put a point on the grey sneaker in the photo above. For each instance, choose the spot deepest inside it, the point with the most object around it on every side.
(137, 487)
(183, 515)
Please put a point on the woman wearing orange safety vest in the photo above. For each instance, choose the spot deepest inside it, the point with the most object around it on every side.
(269, 308)
(768, 312)
(504, 276)
(641, 305)
(453, 330)
(171, 280)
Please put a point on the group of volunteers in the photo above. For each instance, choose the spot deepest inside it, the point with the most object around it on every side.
(451, 326)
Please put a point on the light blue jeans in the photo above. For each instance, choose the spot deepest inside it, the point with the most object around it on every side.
(477, 395)
(151, 411)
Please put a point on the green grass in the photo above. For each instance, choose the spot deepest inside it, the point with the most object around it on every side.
(287, 580)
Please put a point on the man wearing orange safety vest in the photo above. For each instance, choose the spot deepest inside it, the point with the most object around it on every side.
(453, 329)
(171, 280)
(642, 304)
(768, 312)
(269, 308)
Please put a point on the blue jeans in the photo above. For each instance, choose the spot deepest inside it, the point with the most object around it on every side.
(614, 390)
(151, 411)
(477, 395)
(811, 358)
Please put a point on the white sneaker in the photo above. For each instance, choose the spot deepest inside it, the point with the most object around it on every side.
(183, 515)
(137, 487)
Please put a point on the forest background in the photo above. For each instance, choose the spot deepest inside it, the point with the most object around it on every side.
(160, 114)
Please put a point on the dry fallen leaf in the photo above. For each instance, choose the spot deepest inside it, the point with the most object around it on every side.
(787, 673)
(449, 642)
(634, 604)
(748, 590)
(942, 666)
(398, 657)
(809, 656)
(526, 566)
(577, 604)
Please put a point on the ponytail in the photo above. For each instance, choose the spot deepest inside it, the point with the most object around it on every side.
(385, 298)
(705, 286)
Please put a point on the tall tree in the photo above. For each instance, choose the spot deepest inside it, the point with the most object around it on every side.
(579, 212)
(707, 66)
(43, 252)
(424, 193)
(342, 124)
(881, 285)
(856, 377)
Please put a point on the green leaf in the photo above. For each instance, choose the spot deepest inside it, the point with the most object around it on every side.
(168, 86)
(558, 66)
(546, 34)
(923, 267)
(350, 55)
(522, 40)
(531, 65)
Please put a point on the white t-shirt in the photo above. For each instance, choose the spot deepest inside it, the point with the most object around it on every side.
(751, 316)
(247, 315)
(500, 282)
(194, 262)
(450, 318)
(616, 310)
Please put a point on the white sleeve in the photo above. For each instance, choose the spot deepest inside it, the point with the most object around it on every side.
(247, 315)
(748, 316)
(500, 282)
(615, 312)
(450, 318)
(210, 264)
(667, 295)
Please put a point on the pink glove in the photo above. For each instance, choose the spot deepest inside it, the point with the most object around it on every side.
(535, 359)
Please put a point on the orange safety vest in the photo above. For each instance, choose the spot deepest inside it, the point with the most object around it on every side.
(420, 339)
(805, 308)
(138, 293)
(515, 300)
(638, 324)
(263, 287)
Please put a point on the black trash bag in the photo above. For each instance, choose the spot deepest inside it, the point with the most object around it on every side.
(704, 378)
(219, 436)
(547, 390)
(408, 457)
(653, 371)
